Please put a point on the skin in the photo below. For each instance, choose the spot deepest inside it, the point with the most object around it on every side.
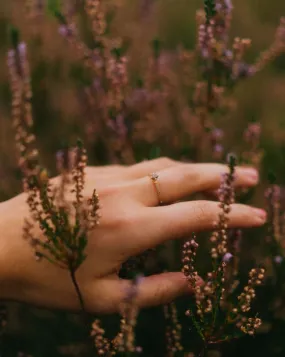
(131, 222)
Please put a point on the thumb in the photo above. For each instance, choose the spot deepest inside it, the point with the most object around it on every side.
(151, 291)
(163, 288)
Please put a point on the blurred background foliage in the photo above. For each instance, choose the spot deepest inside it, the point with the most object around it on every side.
(58, 77)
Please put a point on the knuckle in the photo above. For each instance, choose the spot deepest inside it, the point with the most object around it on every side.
(165, 161)
(201, 210)
(160, 296)
(109, 191)
(189, 172)
(123, 220)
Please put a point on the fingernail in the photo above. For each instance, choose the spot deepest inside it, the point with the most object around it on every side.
(261, 214)
(252, 174)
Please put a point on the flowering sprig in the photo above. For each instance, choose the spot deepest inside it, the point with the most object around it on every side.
(275, 230)
(236, 314)
(276, 48)
(107, 94)
(173, 330)
(124, 343)
(273, 198)
(64, 223)
(226, 194)
(102, 343)
(188, 260)
(252, 154)
(215, 315)
(222, 66)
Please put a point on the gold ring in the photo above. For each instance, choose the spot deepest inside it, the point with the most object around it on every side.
(155, 178)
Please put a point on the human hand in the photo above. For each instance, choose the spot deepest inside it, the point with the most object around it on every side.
(131, 222)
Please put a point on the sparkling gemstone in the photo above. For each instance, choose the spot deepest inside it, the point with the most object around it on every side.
(154, 176)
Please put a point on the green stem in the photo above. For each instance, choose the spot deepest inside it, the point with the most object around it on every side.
(77, 289)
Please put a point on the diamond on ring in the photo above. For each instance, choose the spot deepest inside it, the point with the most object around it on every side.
(155, 178)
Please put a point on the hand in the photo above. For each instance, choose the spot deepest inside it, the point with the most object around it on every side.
(131, 222)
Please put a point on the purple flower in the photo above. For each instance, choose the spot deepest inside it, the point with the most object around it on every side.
(228, 5)
(217, 133)
(66, 30)
(218, 148)
(11, 58)
(244, 70)
(227, 257)
(228, 54)
(63, 31)
(121, 126)
(278, 259)
(132, 290)
(60, 160)
(22, 48)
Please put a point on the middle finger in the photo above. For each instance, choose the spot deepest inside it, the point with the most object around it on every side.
(182, 219)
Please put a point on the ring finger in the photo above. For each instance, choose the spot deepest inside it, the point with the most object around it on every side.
(177, 182)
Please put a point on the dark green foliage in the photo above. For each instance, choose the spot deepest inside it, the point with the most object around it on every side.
(155, 153)
(54, 9)
(210, 9)
(156, 47)
(271, 177)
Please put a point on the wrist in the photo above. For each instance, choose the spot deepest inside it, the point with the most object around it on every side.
(11, 219)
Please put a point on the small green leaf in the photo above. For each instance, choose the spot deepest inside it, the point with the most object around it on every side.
(232, 160)
(117, 52)
(53, 8)
(156, 47)
(79, 143)
(14, 36)
(140, 83)
(210, 9)
(82, 242)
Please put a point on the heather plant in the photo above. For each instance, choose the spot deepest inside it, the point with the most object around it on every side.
(109, 84)
(124, 342)
(64, 226)
(172, 330)
(220, 312)
(221, 67)
(275, 236)
(65, 223)
(127, 112)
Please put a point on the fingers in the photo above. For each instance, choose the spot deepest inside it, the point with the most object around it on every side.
(153, 290)
(179, 181)
(161, 224)
(121, 175)
(105, 170)
(146, 167)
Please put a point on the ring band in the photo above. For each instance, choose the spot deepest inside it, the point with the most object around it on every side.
(155, 178)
